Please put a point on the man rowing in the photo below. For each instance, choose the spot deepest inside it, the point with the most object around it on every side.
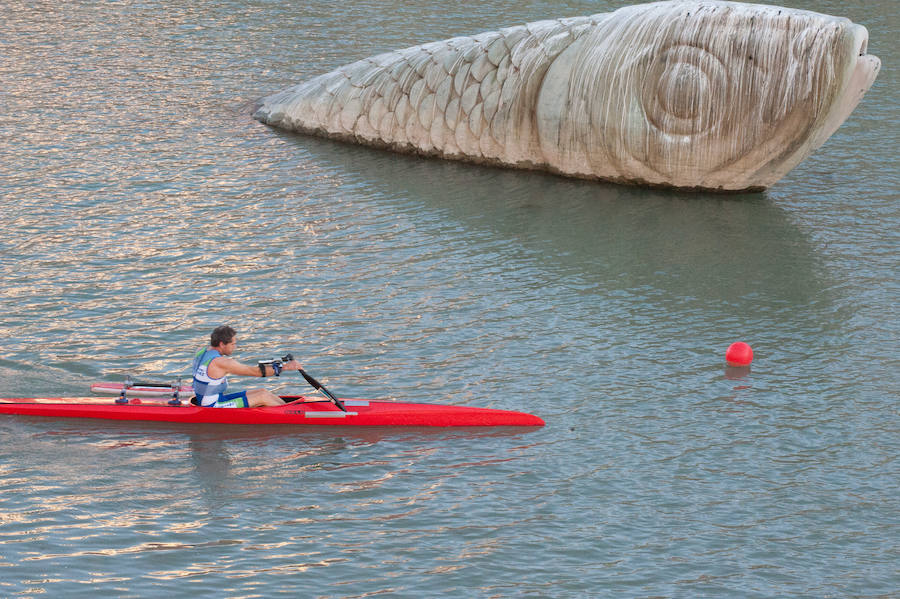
(213, 364)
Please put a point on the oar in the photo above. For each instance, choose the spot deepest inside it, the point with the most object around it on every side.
(317, 385)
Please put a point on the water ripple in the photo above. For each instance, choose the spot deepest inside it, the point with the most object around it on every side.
(141, 206)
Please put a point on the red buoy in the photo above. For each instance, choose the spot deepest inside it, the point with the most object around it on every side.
(739, 354)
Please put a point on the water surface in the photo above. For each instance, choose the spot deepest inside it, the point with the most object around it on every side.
(140, 206)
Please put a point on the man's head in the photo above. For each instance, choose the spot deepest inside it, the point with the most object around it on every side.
(222, 336)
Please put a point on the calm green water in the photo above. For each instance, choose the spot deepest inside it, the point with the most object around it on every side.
(140, 206)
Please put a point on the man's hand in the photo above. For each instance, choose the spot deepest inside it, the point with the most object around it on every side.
(292, 365)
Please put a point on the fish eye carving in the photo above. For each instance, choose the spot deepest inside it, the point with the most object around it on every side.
(683, 90)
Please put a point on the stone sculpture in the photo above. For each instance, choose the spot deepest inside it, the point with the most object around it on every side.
(710, 95)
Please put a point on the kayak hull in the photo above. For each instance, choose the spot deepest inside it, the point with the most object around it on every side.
(299, 411)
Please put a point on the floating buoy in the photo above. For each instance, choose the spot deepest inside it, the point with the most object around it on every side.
(739, 354)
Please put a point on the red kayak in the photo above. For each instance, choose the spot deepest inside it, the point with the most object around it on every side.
(300, 410)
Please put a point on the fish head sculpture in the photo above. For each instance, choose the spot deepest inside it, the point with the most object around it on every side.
(712, 95)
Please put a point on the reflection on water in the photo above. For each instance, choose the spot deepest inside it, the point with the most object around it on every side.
(110, 499)
(709, 247)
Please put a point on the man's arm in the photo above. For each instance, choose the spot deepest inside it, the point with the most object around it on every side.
(222, 365)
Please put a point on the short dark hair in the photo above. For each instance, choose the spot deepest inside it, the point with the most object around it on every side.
(222, 334)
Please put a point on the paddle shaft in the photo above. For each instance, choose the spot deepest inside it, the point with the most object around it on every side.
(316, 384)
(318, 387)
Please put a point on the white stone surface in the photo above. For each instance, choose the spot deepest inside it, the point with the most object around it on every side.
(693, 94)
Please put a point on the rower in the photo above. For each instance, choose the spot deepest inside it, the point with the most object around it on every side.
(213, 364)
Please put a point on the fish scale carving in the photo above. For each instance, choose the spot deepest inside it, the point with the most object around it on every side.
(451, 98)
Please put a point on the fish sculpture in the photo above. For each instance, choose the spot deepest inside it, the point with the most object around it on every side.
(704, 95)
